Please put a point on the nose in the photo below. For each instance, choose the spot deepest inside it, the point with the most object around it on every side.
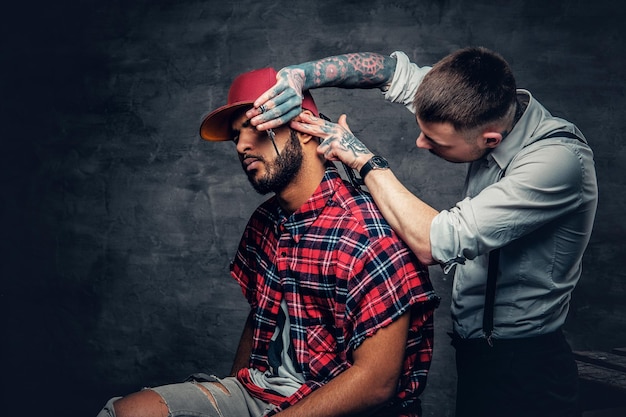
(247, 141)
(421, 142)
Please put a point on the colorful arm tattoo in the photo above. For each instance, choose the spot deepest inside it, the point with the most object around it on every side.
(356, 70)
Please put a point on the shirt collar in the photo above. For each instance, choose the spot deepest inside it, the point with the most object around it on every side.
(521, 133)
(298, 222)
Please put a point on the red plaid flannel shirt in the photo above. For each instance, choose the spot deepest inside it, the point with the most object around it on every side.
(344, 274)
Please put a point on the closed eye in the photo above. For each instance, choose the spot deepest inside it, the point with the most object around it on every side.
(432, 142)
(235, 132)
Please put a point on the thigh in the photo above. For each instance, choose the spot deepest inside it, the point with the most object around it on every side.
(219, 398)
(543, 384)
(233, 400)
(539, 383)
(474, 380)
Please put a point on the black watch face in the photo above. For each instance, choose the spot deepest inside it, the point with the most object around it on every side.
(379, 162)
(375, 162)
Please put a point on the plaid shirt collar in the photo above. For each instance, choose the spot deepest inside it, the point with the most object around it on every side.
(299, 222)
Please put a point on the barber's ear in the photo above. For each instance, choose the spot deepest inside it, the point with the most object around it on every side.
(491, 139)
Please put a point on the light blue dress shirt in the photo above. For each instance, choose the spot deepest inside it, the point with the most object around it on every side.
(536, 199)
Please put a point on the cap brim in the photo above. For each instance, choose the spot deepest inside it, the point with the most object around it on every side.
(216, 126)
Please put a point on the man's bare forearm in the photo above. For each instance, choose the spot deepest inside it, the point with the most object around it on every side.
(244, 349)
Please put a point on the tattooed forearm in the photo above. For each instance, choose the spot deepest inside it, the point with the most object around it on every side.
(357, 70)
(330, 71)
(371, 67)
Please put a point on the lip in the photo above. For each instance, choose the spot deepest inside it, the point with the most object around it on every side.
(250, 163)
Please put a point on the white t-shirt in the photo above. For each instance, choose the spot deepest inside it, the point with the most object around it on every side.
(284, 377)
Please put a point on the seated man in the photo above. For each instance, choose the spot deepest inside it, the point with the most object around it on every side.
(341, 318)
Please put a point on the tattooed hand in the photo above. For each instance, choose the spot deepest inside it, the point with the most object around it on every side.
(338, 142)
(281, 103)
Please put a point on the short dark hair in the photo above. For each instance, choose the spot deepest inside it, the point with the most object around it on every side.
(468, 88)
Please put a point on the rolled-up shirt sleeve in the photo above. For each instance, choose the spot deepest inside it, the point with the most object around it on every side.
(406, 79)
(543, 184)
(449, 227)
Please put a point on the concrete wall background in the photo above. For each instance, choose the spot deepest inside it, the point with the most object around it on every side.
(118, 222)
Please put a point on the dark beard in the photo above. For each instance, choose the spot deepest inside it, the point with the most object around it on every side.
(282, 171)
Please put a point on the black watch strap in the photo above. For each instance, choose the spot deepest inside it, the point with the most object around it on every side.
(375, 162)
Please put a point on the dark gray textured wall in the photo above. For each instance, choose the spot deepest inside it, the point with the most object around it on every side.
(118, 222)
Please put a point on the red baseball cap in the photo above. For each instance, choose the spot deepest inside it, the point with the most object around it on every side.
(244, 90)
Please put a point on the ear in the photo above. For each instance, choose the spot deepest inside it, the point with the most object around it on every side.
(491, 138)
(305, 137)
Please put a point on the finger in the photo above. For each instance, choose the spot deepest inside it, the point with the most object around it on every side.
(343, 122)
(325, 150)
(253, 112)
(307, 123)
(274, 123)
(282, 108)
(268, 95)
(312, 119)
(270, 99)
(304, 126)
(327, 147)
(262, 110)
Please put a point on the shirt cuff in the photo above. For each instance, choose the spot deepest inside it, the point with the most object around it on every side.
(439, 233)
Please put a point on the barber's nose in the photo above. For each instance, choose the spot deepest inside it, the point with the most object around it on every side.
(421, 142)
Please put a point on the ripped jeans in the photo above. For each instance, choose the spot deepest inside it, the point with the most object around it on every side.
(187, 399)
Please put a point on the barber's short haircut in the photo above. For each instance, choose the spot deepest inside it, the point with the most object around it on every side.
(469, 88)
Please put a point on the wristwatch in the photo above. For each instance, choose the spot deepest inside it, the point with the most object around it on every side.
(375, 162)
